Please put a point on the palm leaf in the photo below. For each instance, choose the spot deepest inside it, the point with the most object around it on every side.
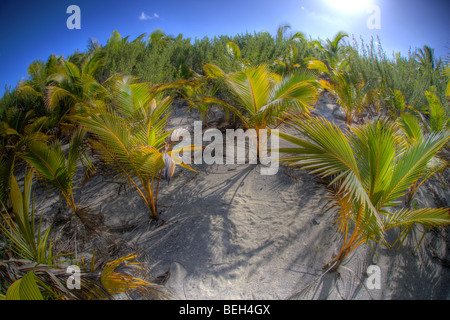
(297, 91)
(437, 117)
(24, 289)
(329, 154)
(411, 127)
(233, 50)
(375, 149)
(318, 65)
(50, 164)
(55, 95)
(411, 163)
(93, 62)
(213, 71)
(428, 217)
(252, 87)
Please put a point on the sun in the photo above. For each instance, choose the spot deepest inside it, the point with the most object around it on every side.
(349, 5)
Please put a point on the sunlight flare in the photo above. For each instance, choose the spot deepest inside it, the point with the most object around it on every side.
(349, 5)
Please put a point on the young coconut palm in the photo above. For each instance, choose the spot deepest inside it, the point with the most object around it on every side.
(437, 119)
(28, 280)
(130, 137)
(413, 131)
(27, 241)
(351, 93)
(17, 130)
(264, 96)
(38, 75)
(367, 170)
(193, 92)
(38, 274)
(57, 169)
(446, 72)
(74, 89)
(333, 48)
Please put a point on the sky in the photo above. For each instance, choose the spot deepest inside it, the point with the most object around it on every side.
(33, 30)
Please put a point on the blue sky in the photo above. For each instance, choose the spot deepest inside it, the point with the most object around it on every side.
(35, 29)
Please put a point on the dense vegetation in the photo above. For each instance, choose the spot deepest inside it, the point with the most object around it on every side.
(111, 104)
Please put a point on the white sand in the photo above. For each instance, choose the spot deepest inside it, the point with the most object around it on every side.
(228, 232)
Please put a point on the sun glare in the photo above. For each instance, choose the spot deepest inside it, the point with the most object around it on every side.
(349, 5)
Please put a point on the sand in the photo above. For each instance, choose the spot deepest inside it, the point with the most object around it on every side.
(228, 232)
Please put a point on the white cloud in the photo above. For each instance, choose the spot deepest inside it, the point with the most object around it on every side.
(303, 8)
(144, 16)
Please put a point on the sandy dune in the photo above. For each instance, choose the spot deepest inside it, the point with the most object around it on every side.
(228, 232)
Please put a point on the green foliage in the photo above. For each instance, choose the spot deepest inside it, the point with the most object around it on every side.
(17, 130)
(194, 91)
(437, 119)
(56, 168)
(73, 88)
(408, 75)
(27, 241)
(24, 289)
(113, 91)
(129, 136)
(350, 92)
(366, 170)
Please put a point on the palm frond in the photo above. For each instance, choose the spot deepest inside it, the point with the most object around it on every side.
(252, 87)
(24, 289)
(411, 127)
(428, 217)
(411, 163)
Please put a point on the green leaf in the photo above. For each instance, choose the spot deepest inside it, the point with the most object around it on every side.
(411, 127)
(213, 71)
(318, 65)
(24, 289)
(428, 217)
(438, 119)
(233, 50)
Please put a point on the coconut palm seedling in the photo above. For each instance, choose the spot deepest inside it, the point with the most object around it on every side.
(74, 86)
(413, 132)
(436, 120)
(235, 56)
(396, 104)
(28, 241)
(72, 89)
(38, 74)
(263, 96)
(130, 137)
(414, 125)
(367, 170)
(446, 72)
(35, 273)
(427, 60)
(27, 280)
(57, 169)
(290, 59)
(351, 93)
(193, 91)
(332, 49)
(292, 62)
(17, 130)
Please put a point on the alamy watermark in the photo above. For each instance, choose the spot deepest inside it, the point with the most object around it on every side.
(74, 280)
(74, 20)
(373, 280)
(374, 20)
